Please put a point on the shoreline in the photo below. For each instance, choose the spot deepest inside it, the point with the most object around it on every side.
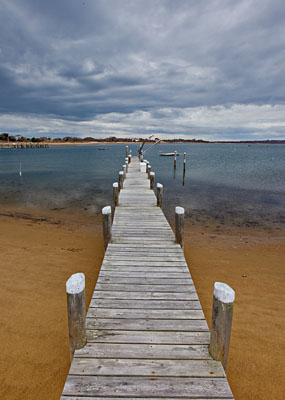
(40, 254)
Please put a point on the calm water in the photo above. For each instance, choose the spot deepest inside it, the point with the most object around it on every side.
(237, 185)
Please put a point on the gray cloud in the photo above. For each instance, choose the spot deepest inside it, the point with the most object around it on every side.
(83, 61)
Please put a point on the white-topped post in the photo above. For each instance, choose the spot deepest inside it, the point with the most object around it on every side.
(124, 171)
(116, 193)
(159, 194)
(175, 155)
(130, 158)
(152, 180)
(121, 180)
(179, 225)
(76, 310)
(127, 161)
(146, 167)
(107, 225)
(222, 315)
(127, 151)
(148, 170)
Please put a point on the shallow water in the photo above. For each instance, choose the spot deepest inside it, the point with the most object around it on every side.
(225, 184)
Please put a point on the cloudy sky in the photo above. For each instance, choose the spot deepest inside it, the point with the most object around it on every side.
(210, 69)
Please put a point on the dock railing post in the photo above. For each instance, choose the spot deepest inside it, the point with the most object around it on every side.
(130, 158)
(148, 171)
(121, 180)
(159, 194)
(107, 225)
(127, 151)
(125, 171)
(76, 311)
(127, 160)
(223, 302)
(179, 225)
(152, 180)
(116, 193)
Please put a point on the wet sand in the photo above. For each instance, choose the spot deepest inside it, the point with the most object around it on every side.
(38, 256)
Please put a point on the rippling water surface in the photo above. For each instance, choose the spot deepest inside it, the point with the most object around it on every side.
(225, 184)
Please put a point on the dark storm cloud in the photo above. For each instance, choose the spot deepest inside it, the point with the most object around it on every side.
(99, 60)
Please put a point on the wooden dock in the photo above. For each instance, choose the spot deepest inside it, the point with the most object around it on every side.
(147, 337)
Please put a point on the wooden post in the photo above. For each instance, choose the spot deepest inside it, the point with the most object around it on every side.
(223, 302)
(126, 164)
(179, 225)
(159, 194)
(184, 169)
(130, 158)
(76, 310)
(152, 179)
(121, 180)
(127, 160)
(148, 171)
(116, 193)
(127, 151)
(147, 164)
(125, 171)
(107, 225)
(175, 155)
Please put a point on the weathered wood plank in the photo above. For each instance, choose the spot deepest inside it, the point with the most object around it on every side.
(143, 280)
(146, 304)
(140, 274)
(147, 337)
(142, 367)
(187, 288)
(161, 387)
(124, 295)
(140, 313)
(143, 269)
(196, 325)
(145, 351)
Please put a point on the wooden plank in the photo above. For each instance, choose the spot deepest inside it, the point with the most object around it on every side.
(142, 367)
(124, 295)
(146, 304)
(147, 262)
(140, 313)
(187, 288)
(148, 337)
(145, 351)
(142, 274)
(145, 387)
(75, 397)
(143, 281)
(133, 324)
(143, 269)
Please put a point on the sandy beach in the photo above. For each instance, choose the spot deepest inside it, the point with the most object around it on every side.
(38, 255)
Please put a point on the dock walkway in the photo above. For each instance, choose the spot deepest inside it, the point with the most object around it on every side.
(147, 337)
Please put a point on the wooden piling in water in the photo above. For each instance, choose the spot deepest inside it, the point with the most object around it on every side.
(107, 225)
(152, 180)
(76, 310)
(121, 180)
(116, 193)
(124, 171)
(175, 156)
(222, 314)
(179, 225)
(159, 194)
(127, 151)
